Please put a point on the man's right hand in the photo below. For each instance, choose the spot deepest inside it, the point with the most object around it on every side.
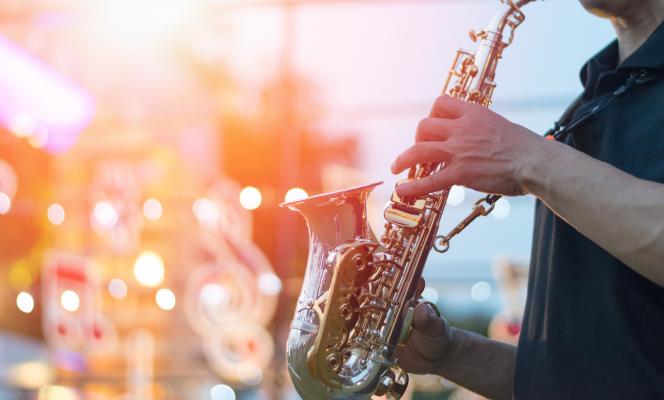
(429, 342)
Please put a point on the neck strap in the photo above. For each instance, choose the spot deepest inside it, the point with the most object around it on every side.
(565, 125)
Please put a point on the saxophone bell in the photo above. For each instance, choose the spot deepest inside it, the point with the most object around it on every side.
(341, 246)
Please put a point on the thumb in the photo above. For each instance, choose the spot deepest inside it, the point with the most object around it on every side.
(427, 321)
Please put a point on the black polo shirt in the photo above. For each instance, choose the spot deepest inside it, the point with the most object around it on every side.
(593, 328)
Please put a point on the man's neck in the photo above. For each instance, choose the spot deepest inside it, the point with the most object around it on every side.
(636, 26)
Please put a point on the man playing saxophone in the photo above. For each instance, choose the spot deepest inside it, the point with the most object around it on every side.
(594, 321)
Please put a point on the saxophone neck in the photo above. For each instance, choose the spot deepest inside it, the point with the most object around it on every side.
(471, 77)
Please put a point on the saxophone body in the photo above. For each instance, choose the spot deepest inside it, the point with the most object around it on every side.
(359, 292)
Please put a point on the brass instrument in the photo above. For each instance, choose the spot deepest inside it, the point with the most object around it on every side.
(358, 295)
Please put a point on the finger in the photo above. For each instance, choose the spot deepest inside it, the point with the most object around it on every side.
(420, 287)
(434, 129)
(440, 180)
(427, 321)
(419, 153)
(448, 107)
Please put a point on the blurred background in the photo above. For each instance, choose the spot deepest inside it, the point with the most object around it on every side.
(145, 146)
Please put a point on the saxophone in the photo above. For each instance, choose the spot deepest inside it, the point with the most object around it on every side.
(358, 295)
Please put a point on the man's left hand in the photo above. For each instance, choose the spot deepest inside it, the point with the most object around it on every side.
(481, 150)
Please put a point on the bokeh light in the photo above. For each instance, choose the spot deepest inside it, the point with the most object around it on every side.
(165, 299)
(456, 196)
(55, 392)
(117, 288)
(295, 194)
(56, 214)
(222, 392)
(502, 209)
(32, 375)
(105, 214)
(149, 268)
(70, 300)
(5, 203)
(39, 137)
(20, 278)
(205, 210)
(269, 283)
(152, 209)
(480, 292)
(250, 198)
(25, 302)
(214, 295)
(23, 124)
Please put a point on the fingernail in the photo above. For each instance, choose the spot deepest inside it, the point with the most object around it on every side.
(432, 311)
(393, 167)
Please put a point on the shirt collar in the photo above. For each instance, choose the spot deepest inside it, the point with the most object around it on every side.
(605, 60)
(650, 55)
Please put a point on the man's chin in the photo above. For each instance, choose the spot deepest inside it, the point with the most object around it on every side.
(599, 12)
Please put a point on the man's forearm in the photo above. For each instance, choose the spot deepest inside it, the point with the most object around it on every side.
(480, 364)
(621, 213)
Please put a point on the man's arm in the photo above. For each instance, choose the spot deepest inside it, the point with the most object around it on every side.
(483, 151)
(482, 365)
(621, 213)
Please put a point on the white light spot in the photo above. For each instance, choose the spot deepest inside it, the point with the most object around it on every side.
(250, 198)
(70, 300)
(456, 195)
(117, 288)
(214, 295)
(430, 294)
(250, 374)
(39, 137)
(105, 214)
(56, 214)
(23, 125)
(25, 302)
(222, 392)
(56, 392)
(205, 211)
(502, 209)
(5, 203)
(295, 194)
(152, 209)
(165, 299)
(149, 268)
(269, 283)
(480, 291)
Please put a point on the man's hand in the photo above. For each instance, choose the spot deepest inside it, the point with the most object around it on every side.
(481, 150)
(428, 343)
